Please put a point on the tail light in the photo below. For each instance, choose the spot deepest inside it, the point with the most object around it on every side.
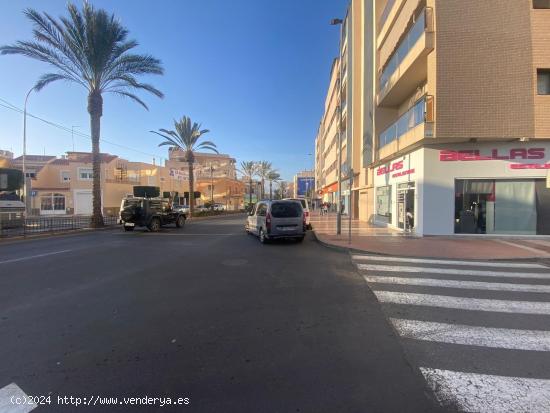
(305, 222)
(268, 222)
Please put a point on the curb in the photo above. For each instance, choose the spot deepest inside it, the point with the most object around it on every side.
(359, 251)
(238, 214)
(21, 238)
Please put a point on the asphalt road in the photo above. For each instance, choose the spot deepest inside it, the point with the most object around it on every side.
(478, 331)
(205, 313)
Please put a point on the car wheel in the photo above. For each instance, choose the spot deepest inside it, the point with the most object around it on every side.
(128, 228)
(180, 222)
(263, 238)
(154, 225)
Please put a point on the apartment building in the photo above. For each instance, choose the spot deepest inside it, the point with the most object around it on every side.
(450, 115)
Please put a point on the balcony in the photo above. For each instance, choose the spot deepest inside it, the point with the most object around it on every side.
(408, 67)
(413, 126)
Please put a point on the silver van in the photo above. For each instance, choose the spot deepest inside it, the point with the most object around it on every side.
(277, 219)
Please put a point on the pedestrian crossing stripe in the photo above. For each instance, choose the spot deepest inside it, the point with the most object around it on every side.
(485, 393)
(452, 271)
(461, 303)
(511, 339)
(468, 285)
(447, 262)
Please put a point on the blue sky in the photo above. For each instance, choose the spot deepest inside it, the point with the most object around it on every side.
(254, 72)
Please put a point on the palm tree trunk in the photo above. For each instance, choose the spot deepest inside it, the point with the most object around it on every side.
(250, 192)
(191, 189)
(95, 109)
(270, 190)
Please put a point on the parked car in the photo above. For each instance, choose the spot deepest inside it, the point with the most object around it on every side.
(218, 207)
(305, 206)
(277, 219)
(201, 208)
(184, 209)
(152, 213)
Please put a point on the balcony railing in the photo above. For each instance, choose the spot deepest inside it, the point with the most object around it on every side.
(409, 120)
(414, 34)
(385, 13)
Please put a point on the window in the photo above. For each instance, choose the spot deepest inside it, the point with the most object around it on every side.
(262, 210)
(85, 174)
(541, 4)
(543, 81)
(383, 201)
(52, 202)
(65, 176)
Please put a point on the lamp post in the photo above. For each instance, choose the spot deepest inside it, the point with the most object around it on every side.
(211, 186)
(339, 22)
(25, 149)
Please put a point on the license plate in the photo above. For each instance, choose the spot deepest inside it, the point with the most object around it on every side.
(130, 224)
(288, 228)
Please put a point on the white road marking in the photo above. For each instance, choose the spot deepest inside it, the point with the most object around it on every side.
(12, 400)
(462, 303)
(34, 256)
(469, 285)
(525, 247)
(399, 268)
(448, 262)
(514, 339)
(472, 392)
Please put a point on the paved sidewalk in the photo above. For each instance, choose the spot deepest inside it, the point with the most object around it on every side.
(379, 240)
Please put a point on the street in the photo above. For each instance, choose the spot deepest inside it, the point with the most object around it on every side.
(206, 314)
(478, 331)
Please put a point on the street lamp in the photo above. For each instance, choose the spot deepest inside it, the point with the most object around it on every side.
(336, 22)
(25, 148)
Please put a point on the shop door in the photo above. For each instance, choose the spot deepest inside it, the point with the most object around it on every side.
(405, 206)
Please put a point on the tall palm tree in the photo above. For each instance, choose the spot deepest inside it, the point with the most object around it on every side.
(90, 48)
(249, 169)
(264, 168)
(272, 176)
(185, 137)
(283, 188)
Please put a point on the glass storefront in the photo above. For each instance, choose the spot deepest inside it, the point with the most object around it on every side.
(383, 201)
(489, 206)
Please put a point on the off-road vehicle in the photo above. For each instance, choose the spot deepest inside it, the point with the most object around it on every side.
(147, 209)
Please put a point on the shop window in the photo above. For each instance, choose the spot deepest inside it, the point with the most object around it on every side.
(85, 174)
(52, 202)
(485, 206)
(543, 81)
(541, 4)
(383, 201)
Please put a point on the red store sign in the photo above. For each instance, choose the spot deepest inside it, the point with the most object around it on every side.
(494, 154)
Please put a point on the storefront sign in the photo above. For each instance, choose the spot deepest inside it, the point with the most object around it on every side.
(383, 170)
(403, 173)
(178, 175)
(494, 154)
(530, 166)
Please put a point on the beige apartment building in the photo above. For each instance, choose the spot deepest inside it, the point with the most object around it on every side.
(63, 186)
(449, 115)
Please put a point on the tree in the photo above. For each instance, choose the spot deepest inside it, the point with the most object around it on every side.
(264, 168)
(90, 48)
(185, 137)
(272, 176)
(283, 188)
(249, 169)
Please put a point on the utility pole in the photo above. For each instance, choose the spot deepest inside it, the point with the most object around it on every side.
(211, 186)
(25, 150)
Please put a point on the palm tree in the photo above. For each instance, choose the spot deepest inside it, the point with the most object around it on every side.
(249, 169)
(264, 168)
(89, 48)
(186, 137)
(283, 188)
(272, 176)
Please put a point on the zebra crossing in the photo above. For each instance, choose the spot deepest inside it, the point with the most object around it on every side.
(478, 331)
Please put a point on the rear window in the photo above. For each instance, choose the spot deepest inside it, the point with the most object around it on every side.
(286, 210)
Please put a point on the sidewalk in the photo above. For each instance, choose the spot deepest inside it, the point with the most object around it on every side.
(379, 240)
